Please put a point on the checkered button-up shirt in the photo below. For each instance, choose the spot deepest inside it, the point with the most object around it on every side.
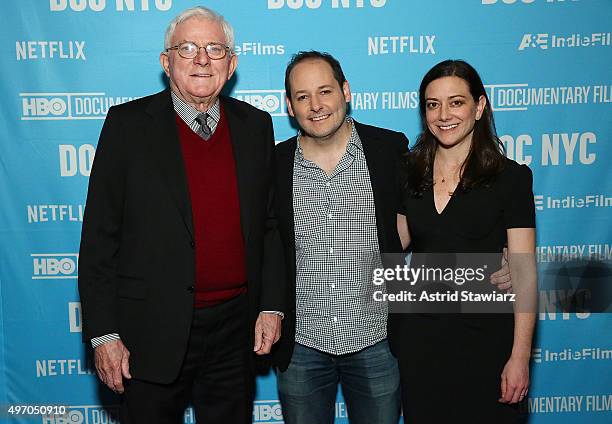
(189, 113)
(336, 248)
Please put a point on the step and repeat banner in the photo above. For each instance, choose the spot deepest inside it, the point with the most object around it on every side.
(546, 64)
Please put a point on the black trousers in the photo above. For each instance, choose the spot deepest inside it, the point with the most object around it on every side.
(216, 376)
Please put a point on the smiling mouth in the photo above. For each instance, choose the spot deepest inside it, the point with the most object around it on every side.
(319, 118)
(447, 127)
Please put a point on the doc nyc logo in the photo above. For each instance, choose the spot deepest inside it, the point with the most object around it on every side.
(100, 5)
(54, 266)
(315, 4)
(73, 159)
(524, 1)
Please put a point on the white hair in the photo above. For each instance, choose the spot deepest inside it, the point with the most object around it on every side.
(202, 13)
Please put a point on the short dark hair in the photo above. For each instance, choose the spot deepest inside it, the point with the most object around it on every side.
(486, 157)
(313, 54)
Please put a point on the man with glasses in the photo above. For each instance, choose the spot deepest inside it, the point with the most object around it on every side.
(180, 262)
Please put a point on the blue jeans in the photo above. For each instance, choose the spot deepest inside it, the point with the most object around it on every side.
(370, 385)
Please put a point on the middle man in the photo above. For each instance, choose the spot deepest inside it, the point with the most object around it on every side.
(338, 191)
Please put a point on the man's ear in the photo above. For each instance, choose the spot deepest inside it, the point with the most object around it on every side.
(346, 90)
(164, 61)
(232, 66)
(289, 107)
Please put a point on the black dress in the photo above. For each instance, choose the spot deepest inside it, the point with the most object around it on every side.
(451, 364)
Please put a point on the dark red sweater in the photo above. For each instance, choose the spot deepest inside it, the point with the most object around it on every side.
(213, 188)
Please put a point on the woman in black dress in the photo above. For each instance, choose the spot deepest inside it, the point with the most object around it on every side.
(464, 196)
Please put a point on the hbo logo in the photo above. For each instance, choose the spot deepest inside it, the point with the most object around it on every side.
(266, 413)
(54, 266)
(268, 103)
(73, 417)
(40, 106)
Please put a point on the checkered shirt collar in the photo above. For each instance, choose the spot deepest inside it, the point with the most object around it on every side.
(353, 143)
(189, 113)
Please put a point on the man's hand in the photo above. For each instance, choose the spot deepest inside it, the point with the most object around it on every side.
(267, 332)
(112, 364)
(502, 278)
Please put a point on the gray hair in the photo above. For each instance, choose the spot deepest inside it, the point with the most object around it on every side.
(202, 13)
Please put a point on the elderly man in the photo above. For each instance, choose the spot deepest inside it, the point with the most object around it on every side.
(180, 262)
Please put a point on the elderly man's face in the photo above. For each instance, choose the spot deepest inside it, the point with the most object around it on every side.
(198, 81)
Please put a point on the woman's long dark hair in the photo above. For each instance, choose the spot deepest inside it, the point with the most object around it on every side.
(486, 156)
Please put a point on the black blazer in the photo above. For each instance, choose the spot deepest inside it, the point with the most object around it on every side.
(137, 262)
(383, 150)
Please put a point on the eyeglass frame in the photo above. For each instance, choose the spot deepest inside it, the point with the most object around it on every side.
(227, 49)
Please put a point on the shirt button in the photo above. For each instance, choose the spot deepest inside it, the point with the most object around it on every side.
(331, 250)
(333, 286)
(327, 184)
(329, 215)
(335, 319)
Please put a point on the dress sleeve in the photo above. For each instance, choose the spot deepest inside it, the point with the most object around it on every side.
(519, 208)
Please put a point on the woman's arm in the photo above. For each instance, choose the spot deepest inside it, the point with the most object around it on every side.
(521, 259)
(402, 230)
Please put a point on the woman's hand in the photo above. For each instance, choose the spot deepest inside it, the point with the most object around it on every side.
(515, 380)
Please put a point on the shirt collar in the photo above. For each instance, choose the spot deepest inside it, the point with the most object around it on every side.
(189, 113)
(354, 141)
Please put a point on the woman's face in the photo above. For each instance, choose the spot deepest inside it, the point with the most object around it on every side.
(451, 111)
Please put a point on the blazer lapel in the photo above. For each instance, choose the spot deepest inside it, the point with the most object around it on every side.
(377, 169)
(167, 151)
(284, 194)
(284, 186)
(244, 167)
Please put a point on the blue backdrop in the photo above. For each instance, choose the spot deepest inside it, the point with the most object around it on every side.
(546, 64)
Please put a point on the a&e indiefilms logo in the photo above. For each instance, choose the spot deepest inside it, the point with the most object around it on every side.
(540, 355)
(546, 41)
